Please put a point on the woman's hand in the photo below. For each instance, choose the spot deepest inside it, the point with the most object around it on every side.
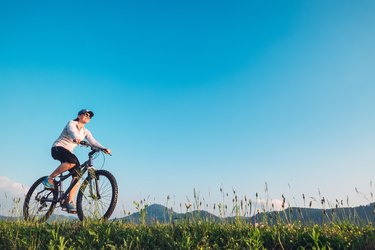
(78, 141)
(107, 151)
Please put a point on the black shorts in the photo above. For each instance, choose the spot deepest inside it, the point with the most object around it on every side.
(63, 155)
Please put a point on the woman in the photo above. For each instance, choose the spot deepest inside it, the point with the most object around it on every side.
(62, 150)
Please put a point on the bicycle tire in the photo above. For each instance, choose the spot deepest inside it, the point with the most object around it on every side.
(35, 208)
(91, 207)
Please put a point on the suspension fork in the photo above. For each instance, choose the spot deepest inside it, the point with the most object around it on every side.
(93, 178)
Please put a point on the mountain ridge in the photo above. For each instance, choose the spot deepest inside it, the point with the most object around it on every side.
(156, 213)
(161, 214)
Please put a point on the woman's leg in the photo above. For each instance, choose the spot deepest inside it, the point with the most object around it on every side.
(61, 169)
(74, 190)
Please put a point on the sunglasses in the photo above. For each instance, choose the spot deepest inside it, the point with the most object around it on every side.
(88, 115)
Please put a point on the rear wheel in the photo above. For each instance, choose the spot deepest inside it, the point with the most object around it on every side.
(97, 196)
(39, 202)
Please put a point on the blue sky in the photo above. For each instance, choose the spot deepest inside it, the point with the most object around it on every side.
(195, 95)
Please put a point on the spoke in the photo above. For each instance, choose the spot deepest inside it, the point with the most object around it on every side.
(37, 206)
(93, 207)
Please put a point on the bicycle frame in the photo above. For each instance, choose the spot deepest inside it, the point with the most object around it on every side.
(86, 166)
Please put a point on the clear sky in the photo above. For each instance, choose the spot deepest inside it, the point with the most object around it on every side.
(195, 95)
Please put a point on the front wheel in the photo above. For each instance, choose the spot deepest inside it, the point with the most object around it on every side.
(39, 202)
(97, 196)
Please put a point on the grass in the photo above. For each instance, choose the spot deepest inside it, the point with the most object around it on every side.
(282, 232)
(196, 234)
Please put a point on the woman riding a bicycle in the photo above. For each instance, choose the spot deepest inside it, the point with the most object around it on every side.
(62, 150)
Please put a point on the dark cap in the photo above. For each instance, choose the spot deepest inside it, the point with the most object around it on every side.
(84, 111)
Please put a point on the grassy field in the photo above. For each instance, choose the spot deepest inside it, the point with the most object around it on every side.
(198, 234)
(340, 227)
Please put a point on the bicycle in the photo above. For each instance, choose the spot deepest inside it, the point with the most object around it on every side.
(96, 198)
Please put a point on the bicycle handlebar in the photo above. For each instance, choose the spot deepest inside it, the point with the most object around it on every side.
(87, 144)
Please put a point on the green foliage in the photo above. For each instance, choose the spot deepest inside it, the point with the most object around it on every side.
(188, 234)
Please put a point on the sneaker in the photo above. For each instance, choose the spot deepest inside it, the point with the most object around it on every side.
(71, 207)
(47, 184)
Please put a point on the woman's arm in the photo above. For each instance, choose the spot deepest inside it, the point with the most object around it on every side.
(92, 140)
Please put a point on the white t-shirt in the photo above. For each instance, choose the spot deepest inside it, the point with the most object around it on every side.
(71, 132)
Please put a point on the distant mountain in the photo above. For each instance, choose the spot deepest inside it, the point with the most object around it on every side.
(361, 214)
(161, 214)
(156, 213)
(52, 218)
(8, 218)
(151, 214)
(59, 217)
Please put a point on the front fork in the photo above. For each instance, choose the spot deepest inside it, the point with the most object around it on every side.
(93, 184)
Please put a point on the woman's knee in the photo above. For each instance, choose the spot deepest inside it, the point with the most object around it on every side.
(72, 165)
(68, 165)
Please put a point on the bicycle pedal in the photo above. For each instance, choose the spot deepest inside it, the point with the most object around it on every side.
(63, 207)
